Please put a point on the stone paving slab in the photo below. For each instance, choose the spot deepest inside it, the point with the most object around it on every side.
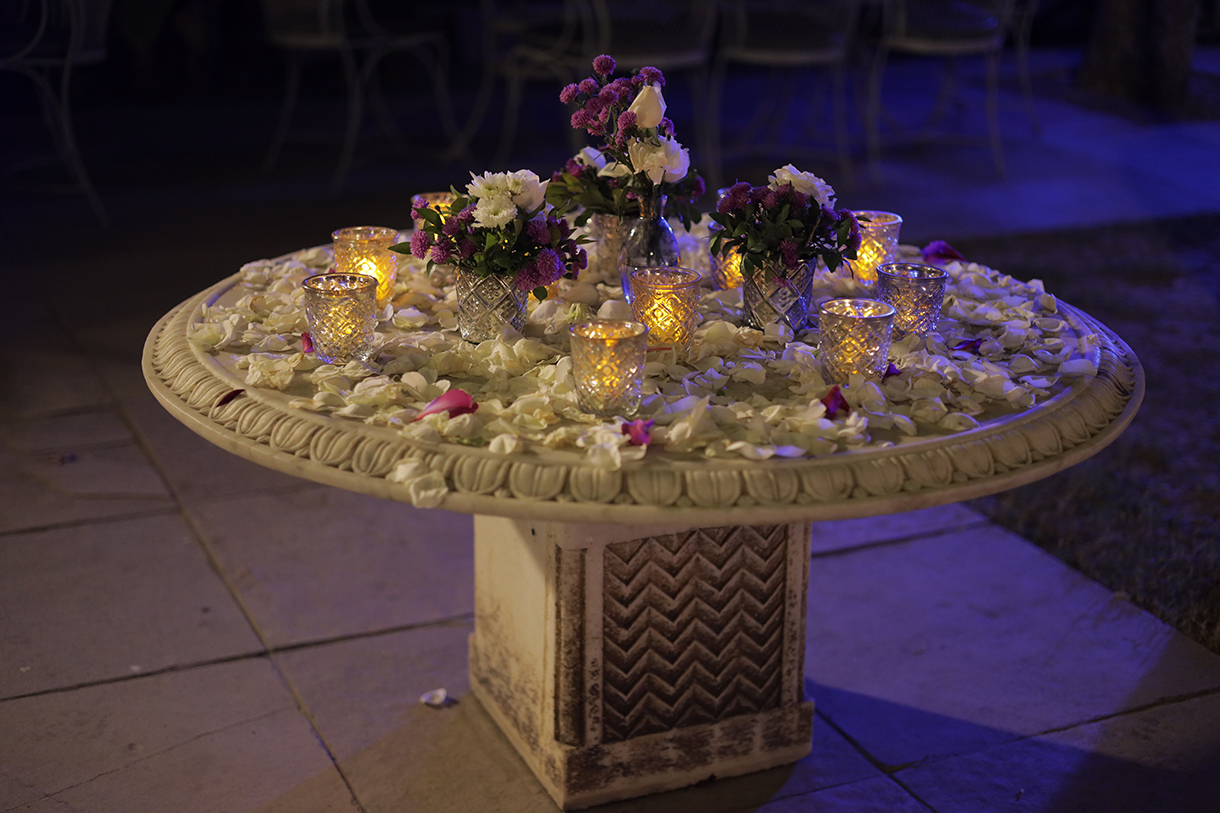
(47, 488)
(1165, 758)
(108, 600)
(877, 795)
(65, 433)
(218, 738)
(401, 755)
(952, 643)
(320, 563)
(844, 534)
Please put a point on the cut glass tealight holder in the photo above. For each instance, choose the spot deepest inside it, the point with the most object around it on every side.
(855, 338)
(342, 311)
(916, 291)
(608, 359)
(366, 250)
(878, 243)
(667, 300)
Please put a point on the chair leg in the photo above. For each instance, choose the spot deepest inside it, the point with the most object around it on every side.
(1027, 89)
(839, 102)
(993, 113)
(872, 113)
(355, 115)
(291, 90)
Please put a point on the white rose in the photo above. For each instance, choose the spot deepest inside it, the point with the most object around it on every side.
(527, 191)
(804, 182)
(649, 106)
(495, 211)
(614, 170)
(666, 161)
(591, 157)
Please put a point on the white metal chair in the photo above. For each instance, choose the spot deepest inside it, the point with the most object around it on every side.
(948, 29)
(347, 29)
(46, 40)
(787, 36)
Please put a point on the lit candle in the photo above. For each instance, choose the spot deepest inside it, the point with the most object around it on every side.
(878, 243)
(726, 268)
(341, 311)
(366, 250)
(855, 338)
(667, 300)
(608, 363)
(917, 293)
(436, 200)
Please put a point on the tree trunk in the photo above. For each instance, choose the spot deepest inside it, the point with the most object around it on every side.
(1141, 50)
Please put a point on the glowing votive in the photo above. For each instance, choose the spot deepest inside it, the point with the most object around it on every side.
(917, 293)
(878, 243)
(608, 363)
(667, 300)
(435, 200)
(726, 268)
(341, 311)
(855, 338)
(366, 250)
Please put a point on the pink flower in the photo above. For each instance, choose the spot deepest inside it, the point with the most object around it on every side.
(441, 252)
(626, 120)
(604, 65)
(834, 401)
(420, 243)
(640, 432)
(787, 250)
(938, 251)
(455, 402)
(651, 76)
(589, 86)
(568, 94)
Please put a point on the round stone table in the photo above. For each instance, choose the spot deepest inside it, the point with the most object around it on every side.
(643, 629)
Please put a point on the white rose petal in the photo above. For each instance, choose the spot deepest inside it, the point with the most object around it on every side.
(804, 182)
(649, 109)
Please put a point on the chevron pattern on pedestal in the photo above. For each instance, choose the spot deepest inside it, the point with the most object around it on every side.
(693, 628)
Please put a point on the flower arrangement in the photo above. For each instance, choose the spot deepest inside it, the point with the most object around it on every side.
(639, 156)
(502, 225)
(786, 223)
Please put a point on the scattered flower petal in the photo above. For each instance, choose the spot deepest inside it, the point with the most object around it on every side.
(640, 432)
(307, 342)
(456, 402)
(834, 401)
(938, 251)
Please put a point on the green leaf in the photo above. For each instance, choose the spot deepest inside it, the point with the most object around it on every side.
(401, 248)
(540, 293)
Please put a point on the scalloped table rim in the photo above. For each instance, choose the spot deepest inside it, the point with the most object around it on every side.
(172, 365)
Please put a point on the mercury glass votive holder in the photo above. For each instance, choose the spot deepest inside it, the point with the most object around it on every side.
(667, 300)
(878, 243)
(342, 311)
(608, 363)
(855, 338)
(366, 250)
(916, 291)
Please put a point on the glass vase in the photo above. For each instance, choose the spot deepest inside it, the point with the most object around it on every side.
(650, 243)
(772, 292)
(488, 304)
(607, 233)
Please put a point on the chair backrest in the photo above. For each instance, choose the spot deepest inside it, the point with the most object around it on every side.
(53, 32)
(566, 30)
(786, 29)
(663, 33)
(982, 21)
(294, 23)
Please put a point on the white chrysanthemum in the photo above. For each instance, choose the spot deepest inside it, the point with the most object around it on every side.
(487, 185)
(804, 182)
(495, 211)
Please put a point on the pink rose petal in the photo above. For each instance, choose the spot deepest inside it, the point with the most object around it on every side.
(307, 342)
(455, 402)
(639, 431)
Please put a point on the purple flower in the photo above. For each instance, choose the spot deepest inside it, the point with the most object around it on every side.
(626, 121)
(580, 259)
(623, 89)
(595, 105)
(583, 120)
(652, 76)
(770, 199)
(938, 251)
(737, 198)
(466, 215)
(787, 250)
(604, 65)
(420, 241)
(757, 193)
(665, 126)
(698, 188)
(561, 224)
(465, 248)
(568, 94)
(639, 431)
(441, 252)
(451, 226)
(538, 232)
(545, 269)
(589, 86)
(417, 203)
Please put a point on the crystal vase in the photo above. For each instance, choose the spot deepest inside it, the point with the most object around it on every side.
(488, 304)
(607, 233)
(772, 292)
(650, 243)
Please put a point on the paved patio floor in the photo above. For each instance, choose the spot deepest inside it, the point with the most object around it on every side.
(181, 630)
